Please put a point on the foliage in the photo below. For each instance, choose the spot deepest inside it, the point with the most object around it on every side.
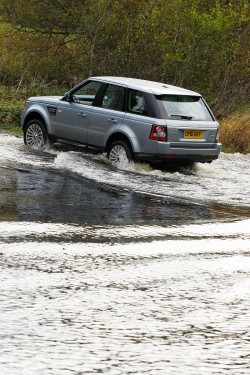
(12, 102)
(235, 133)
(198, 44)
(10, 109)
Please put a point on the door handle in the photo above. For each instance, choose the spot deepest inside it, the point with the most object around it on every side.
(81, 114)
(112, 119)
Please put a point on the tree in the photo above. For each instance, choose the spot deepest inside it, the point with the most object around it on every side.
(199, 44)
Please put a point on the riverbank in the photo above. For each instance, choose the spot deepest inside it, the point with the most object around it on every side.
(235, 133)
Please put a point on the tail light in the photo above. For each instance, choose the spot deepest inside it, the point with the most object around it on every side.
(158, 133)
(217, 136)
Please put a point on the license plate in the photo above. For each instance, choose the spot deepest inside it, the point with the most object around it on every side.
(192, 134)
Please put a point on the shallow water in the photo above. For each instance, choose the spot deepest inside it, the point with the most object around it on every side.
(122, 270)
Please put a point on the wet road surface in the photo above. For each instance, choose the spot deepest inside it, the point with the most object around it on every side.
(122, 271)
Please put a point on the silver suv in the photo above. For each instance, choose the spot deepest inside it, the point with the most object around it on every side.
(127, 118)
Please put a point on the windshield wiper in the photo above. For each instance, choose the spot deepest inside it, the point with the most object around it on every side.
(182, 116)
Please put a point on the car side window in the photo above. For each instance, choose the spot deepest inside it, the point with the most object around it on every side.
(136, 102)
(87, 93)
(113, 98)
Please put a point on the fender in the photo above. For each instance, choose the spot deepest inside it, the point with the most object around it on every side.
(137, 134)
(45, 110)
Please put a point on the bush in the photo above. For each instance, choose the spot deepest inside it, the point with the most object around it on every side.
(235, 133)
(10, 110)
(12, 102)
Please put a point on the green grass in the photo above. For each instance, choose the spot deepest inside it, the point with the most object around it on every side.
(4, 26)
(10, 110)
(12, 102)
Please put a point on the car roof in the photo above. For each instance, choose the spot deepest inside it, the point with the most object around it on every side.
(157, 88)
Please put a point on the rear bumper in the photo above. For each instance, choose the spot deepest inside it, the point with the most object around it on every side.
(202, 155)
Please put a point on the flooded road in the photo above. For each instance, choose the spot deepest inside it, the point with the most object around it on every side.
(124, 270)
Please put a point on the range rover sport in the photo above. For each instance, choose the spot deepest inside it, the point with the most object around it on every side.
(125, 117)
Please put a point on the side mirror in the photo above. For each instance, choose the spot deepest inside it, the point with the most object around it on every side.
(67, 97)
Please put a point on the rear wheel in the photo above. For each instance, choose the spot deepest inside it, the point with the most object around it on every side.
(35, 135)
(119, 152)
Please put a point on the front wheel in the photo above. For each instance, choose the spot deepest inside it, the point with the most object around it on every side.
(35, 135)
(119, 152)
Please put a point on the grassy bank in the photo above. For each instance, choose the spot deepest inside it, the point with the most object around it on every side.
(11, 105)
(12, 101)
(235, 133)
(234, 128)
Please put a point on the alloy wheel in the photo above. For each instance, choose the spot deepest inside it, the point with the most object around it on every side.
(35, 136)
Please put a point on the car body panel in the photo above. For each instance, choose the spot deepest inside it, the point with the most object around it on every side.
(157, 88)
(137, 128)
(103, 122)
(208, 130)
(72, 121)
(41, 105)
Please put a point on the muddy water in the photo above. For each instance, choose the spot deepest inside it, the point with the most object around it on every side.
(122, 270)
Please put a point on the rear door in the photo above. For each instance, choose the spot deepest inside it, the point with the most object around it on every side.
(107, 117)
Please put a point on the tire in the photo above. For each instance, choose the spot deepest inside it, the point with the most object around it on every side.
(119, 152)
(35, 135)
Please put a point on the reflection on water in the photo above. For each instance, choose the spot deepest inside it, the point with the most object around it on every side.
(39, 195)
(223, 182)
(53, 196)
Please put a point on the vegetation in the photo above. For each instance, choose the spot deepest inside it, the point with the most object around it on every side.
(235, 133)
(12, 101)
(198, 44)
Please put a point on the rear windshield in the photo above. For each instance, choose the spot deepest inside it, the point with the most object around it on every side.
(183, 107)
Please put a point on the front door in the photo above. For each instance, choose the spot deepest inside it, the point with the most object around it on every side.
(72, 117)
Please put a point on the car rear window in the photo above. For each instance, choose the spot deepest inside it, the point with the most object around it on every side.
(183, 107)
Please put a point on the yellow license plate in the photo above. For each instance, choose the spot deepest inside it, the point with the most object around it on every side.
(193, 134)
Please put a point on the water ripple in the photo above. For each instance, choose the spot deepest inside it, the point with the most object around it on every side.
(29, 231)
(162, 307)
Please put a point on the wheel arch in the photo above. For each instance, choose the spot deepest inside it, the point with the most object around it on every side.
(117, 136)
(34, 115)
